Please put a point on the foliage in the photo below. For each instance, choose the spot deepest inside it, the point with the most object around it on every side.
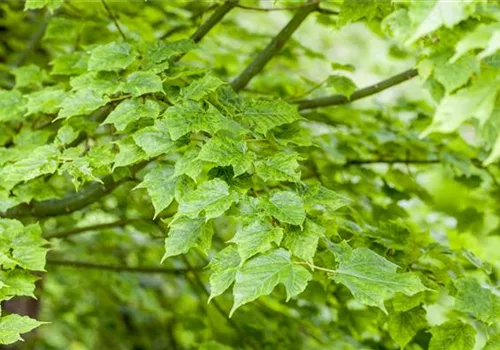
(306, 219)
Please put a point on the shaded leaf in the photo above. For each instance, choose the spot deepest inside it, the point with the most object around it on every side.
(213, 197)
(111, 57)
(224, 266)
(225, 151)
(303, 243)
(372, 279)
(260, 275)
(452, 335)
(279, 167)
(160, 184)
(474, 299)
(256, 237)
(189, 116)
(185, 234)
(403, 326)
(286, 206)
(132, 110)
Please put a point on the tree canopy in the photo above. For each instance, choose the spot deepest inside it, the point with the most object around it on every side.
(250, 174)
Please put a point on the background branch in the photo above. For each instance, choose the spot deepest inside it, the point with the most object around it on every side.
(77, 230)
(113, 18)
(119, 268)
(216, 17)
(273, 48)
(338, 99)
(75, 201)
(390, 161)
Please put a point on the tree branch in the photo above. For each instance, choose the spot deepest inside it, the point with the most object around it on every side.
(273, 48)
(113, 18)
(216, 17)
(335, 100)
(390, 161)
(34, 41)
(76, 230)
(296, 7)
(117, 268)
(72, 202)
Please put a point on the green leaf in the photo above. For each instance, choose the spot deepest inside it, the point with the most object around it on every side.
(341, 84)
(129, 153)
(11, 105)
(51, 5)
(30, 76)
(431, 15)
(318, 197)
(213, 197)
(161, 51)
(495, 153)
(256, 237)
(279, 167)
(189, 164)
(477, 39)
(160, 184)
(185, 234)
(453, 76)
(42, 160)
(453, 335)
(17, 283)
(372, 279)
(260, 275)
(224, 266)
(286, 206)
(81, 102)
(474, 299)
(46, 101)
(189, 116)
(141, 83)
(303, 243)
(12, 326)
(403, 326)
(352, 11)
(476, 101)
(199, 88)
(154, 140)
(111, 57)
(102, 83)
(341, 66)
(132, 110)
(21, 246)
(70, 64)
(225, 151)
(493, 343)
(262, 116)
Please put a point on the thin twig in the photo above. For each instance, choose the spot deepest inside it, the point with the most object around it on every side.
(216, 17)
(113, 18)
(335, 100)
(314, 88)
(314, 267)
(77, 230)
(118, 268)
(273, 48)
(296, 7)
(34, 41)
(390, 161)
